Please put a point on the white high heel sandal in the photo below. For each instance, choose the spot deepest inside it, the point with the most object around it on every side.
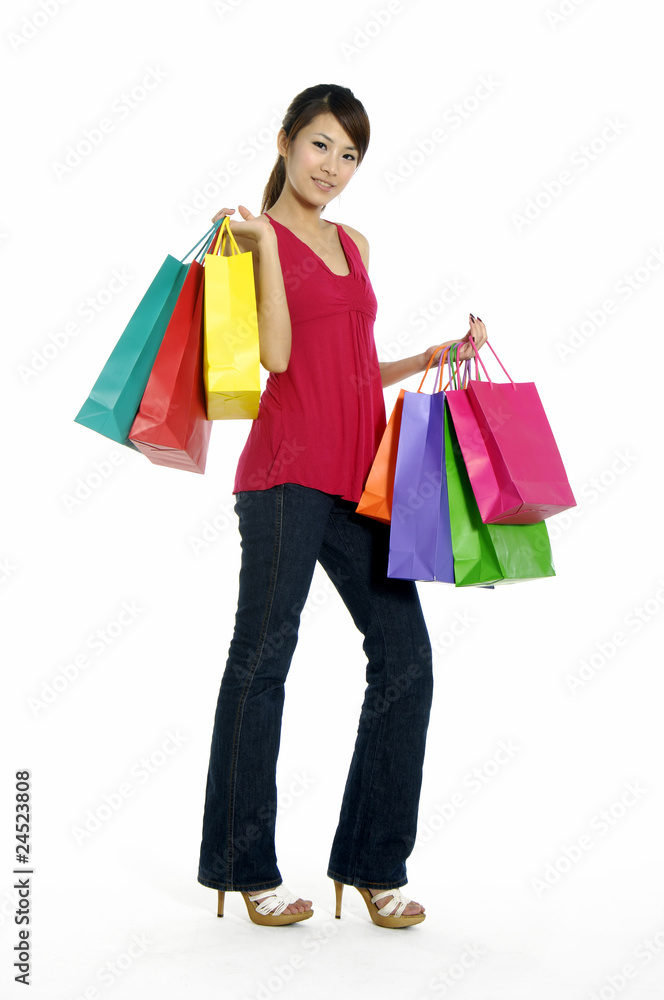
(388, 915)
(269, 912)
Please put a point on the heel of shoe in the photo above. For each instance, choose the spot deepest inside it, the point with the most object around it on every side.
(338, 891)
(220, 902)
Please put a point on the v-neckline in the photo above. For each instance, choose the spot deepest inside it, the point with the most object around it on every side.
(317, 256)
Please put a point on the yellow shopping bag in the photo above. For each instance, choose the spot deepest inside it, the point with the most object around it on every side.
(231, 351)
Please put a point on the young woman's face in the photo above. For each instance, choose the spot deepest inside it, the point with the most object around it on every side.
(320, 161)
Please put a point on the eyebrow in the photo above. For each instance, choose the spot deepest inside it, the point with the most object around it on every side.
(332, 140)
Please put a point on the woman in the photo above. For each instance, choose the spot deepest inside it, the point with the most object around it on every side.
(300, 475)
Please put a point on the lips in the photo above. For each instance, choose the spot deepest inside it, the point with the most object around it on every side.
(324, 184)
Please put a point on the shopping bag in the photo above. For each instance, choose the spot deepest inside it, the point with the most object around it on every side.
(420, 541)
(487, 554)
(511, 456)
(376, 500)
(171, 427)
(115, 397)
(231, 347)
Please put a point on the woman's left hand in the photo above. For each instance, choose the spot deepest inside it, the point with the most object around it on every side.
(476, 335)
(477, 332)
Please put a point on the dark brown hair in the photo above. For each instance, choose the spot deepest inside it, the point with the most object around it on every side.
(325, 98)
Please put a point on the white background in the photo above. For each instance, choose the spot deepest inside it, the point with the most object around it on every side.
(117, 911)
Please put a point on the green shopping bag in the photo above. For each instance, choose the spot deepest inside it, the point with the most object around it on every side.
(489, 553)
(115, 397)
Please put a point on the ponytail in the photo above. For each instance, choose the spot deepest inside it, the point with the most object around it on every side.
(275, 184)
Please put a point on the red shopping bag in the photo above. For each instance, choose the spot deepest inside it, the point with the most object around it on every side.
(509, 450)
(171, 427)
(376, 500)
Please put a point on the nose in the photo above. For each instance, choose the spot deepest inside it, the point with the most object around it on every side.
(328, 165)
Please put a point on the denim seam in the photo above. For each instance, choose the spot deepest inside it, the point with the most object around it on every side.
(276, 554)
(364, 884)
(360, 819)
(233, 887)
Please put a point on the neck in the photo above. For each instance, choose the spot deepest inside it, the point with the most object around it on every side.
(297, 215)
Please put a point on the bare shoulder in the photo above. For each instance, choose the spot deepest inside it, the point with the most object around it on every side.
(360, 241)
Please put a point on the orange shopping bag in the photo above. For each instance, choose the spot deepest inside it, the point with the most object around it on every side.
(376, 501)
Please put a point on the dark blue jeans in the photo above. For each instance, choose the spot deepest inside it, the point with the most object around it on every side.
(284, 531)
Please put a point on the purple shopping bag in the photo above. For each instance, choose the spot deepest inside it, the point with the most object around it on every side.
(420, 539)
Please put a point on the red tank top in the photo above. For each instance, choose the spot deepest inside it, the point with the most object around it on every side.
(320, 422)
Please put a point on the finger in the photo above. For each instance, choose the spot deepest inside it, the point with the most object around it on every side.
(475, 334)
(222, 212)
(245, 213)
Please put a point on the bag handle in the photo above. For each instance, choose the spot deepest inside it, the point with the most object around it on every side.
(445, 357)
(205, 240)
(441, 361)
(220, 239)
(456, 378)
(478, 358)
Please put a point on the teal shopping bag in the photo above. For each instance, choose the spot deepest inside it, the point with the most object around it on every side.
(115, 397)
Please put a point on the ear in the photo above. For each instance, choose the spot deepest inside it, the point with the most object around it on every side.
(282, 142)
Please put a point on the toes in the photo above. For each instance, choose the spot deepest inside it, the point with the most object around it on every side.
(414, 908)
(411, 910)
(301, 906)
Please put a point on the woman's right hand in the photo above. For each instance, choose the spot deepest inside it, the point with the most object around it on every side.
(255, 229)
(222, 212)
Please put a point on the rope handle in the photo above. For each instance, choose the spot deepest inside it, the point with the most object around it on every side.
(441, 362)
(456, 378)
(451, 360)
(223, 234)
(478, 358)
(205, 241)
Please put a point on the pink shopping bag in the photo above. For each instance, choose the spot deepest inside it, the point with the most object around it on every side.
(511, 455)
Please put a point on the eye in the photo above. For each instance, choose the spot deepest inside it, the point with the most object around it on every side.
(323, 145)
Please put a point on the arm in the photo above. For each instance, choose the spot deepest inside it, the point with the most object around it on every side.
(394, 371)
(274, 326)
